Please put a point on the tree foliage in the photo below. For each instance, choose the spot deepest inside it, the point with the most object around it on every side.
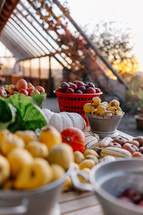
(115, 43)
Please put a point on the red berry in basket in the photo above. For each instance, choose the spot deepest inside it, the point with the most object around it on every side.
(79, 92)
(79, 83)
(82, 88)
(59, 89)
(90, 84)
(97, 90)
(73, 86)
(64, 86)
(90, 90)
(69, 90)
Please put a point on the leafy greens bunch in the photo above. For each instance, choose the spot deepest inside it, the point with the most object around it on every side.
(19, 112)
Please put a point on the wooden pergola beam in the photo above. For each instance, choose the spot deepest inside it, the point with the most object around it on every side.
(90, 43)
(7, 8)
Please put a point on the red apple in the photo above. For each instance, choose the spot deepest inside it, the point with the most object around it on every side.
(40, 89)
(29, 91)
(21, 84)
(34, 92)
(90, 90)
(114, 144)
(14, 92)
(130, 147)
(23, 91)
(29, 85)
(3, 93)
(69, 90)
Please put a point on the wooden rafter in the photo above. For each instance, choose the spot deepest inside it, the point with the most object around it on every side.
(6, 10)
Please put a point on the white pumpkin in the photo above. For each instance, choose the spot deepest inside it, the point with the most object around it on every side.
(64, 120)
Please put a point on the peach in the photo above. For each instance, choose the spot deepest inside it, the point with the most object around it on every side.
(40, 89)
(21, 84)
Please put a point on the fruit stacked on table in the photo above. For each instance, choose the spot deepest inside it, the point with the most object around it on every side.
(28, 161)
(121, 147)
(96, 107)
(78, 87)
(133, 196)
(21, 86)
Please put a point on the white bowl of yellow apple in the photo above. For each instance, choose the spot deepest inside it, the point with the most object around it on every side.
(103, 117)
(31, 176)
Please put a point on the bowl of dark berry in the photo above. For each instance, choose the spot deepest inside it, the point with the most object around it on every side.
(119, 186)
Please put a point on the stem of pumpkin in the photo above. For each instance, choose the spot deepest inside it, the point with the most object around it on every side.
(68, 139)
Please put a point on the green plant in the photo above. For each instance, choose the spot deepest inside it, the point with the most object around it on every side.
(134, 96)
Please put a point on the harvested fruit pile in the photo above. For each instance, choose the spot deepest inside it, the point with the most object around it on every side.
(78, 87)
(96, 107)
(28, 161)
(21, 86)
(121, 147)
(133, 196)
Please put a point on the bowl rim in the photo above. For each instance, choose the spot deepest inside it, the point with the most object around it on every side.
(77, 94)
(103, 117)
(108, 197)
(36, 191)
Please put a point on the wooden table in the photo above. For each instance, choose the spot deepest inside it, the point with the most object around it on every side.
(82, 203)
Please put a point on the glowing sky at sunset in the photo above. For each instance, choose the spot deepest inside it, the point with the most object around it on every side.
(129, 12)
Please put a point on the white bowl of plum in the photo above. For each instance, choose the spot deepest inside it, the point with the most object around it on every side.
(119, 186)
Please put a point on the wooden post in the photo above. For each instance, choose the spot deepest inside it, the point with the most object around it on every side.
(40, 81)
(30, 71)
(23, 69)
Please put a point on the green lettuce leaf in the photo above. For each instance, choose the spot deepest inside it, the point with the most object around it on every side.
(38, 100)
(7, 114)
(29, 116)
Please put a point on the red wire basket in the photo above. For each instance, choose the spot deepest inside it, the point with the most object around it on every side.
(72, 102)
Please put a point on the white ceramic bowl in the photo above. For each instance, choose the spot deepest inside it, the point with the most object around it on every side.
(40, 201)
(104, 125)
(110, 179)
